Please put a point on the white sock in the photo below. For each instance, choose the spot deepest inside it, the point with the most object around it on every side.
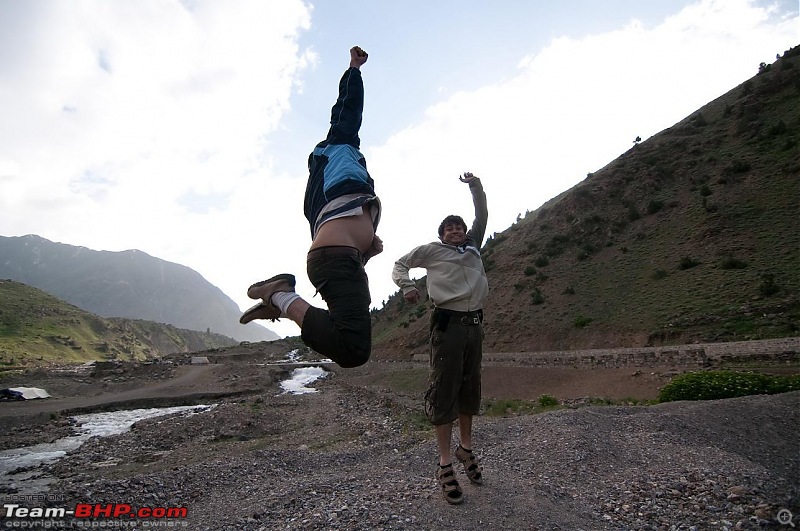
(283, 299)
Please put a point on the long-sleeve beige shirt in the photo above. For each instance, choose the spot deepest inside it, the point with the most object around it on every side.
(456, 278)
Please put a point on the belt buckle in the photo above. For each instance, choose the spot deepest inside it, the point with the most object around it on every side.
(467, 320)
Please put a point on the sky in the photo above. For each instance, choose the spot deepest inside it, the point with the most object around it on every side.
(182, 128)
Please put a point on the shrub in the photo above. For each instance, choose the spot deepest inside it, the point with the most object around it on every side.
(778, 129)
(569, 290)
(735, 167)
(654, 206)
(659, 274)
(729, 262)
(714, 385)
(768, 286)
(556, 245)
(633, 213)
(699, 120)
(548, 401)
(537, 297)
(529, 270)
(542, 261)
(688, 262)
(582, 321)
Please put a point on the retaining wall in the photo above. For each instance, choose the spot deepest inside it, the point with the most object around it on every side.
(781, 351)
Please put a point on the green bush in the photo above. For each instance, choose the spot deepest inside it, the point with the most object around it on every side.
(542, 261)
(548, 401)
(714, 385)
(582, 321)
(529, 270)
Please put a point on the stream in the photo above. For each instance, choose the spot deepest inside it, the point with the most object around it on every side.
(19, 467)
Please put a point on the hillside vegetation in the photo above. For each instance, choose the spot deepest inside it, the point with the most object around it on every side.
(38, 329)
(689, 236)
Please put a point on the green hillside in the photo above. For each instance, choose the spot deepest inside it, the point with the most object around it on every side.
(39, 329)
(689, 236)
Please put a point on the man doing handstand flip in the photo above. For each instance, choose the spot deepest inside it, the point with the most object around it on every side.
(343, 213)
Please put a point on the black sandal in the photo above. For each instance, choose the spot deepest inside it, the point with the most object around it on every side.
(450, 487)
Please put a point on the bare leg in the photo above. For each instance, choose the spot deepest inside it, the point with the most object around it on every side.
(465, 430)
(297, 311)
(444, 434)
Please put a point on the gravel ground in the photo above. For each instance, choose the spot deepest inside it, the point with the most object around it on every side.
(358, 457)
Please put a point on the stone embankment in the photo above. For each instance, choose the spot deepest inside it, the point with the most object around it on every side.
(781, 351)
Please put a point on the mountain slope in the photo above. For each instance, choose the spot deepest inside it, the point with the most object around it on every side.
(689, 236)
(129, 284)
(37, 328)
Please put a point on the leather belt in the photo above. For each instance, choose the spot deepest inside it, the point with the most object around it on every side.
(465, 318)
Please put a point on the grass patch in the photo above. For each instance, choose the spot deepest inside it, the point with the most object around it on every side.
(714, 385)
(509, 407)
(417, 421)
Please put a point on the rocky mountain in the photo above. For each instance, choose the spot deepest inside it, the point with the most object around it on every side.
(692, 235)
(37, 329)
(129, 284)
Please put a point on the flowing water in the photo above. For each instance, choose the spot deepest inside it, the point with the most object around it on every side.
(19, 467)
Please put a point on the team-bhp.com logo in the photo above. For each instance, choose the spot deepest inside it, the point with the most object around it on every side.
(86, 514)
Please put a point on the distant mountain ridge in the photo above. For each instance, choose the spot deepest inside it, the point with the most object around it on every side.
(129, 284)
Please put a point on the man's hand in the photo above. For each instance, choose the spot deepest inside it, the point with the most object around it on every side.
(467, 177)
(357, 57)
(412, 296)
(376, 247)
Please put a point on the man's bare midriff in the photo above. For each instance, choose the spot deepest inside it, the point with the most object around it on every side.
(352, 231)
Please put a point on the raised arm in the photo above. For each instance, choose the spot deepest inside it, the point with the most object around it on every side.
(347, 112)
(478, 230)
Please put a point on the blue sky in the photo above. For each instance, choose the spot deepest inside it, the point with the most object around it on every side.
(182, 128)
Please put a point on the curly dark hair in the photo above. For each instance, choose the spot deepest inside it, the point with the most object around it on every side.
(451, 220)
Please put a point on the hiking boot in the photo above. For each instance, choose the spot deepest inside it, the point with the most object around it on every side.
(263, 290)
(262, 310)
